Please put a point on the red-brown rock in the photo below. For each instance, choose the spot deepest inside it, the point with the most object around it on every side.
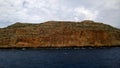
(59, 34)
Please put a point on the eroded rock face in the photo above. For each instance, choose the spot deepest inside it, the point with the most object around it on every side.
(59, 34)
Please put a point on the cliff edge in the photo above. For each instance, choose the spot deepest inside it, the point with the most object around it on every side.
(59, 34)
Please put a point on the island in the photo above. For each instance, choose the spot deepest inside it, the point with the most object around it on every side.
(58, 34)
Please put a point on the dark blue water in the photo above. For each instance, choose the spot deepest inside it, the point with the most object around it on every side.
(61, 58)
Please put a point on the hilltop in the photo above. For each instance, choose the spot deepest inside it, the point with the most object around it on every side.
(59, 34)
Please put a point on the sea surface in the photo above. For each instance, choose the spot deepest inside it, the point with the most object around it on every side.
(60, 58)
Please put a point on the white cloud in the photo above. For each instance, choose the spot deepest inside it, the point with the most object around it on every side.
(88, 14)
(12, 11)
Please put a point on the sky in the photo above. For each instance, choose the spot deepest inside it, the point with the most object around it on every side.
(37, 11)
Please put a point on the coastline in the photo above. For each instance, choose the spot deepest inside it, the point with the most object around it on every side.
(73, 47)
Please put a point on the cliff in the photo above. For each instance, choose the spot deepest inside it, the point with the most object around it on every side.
(59, 34)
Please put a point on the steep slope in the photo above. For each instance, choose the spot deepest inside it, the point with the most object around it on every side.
(59, 34)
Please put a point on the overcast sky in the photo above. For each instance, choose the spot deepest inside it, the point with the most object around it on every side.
(37, 11)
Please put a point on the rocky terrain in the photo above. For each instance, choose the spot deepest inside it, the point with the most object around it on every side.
(59, 34)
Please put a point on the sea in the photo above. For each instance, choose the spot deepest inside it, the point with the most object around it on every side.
(60, 58)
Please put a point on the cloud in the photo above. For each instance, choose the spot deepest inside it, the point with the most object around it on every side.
(88, 14)
(112, 4)
(37, 11)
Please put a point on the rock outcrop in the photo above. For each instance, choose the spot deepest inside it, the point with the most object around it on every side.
(59, 34)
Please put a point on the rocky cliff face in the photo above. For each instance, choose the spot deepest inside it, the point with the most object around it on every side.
(59, 34)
